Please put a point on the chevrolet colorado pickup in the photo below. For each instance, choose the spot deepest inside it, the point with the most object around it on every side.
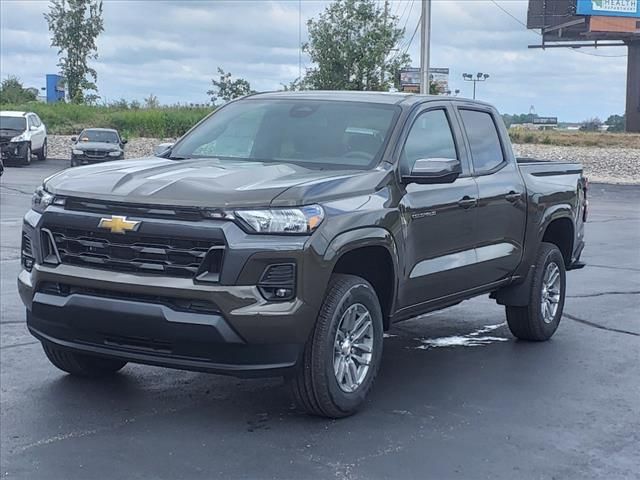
(284, 233)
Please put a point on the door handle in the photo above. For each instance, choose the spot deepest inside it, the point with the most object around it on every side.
(513, 197)
(467, 202)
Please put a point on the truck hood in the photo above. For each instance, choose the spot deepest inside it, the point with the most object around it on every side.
(198, 183)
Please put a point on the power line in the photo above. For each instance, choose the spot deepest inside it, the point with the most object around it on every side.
(413, 36)
(535, 32)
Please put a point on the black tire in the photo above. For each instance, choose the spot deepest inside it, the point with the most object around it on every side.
(27, 155)
(528, 323)
(315, 386)
(73, 163)
(42, 154)
(79, 364)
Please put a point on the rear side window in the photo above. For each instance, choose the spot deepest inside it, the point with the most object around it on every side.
(430, 137)
(486, 150)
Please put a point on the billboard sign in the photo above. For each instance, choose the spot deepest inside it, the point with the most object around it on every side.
(409, 76)
(440, 76)
(410, 79)
(545, 121)
(609, 8)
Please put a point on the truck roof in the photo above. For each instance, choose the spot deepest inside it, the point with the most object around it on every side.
(12, 113)
(388, 98)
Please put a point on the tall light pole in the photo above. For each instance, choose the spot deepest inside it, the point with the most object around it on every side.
(425, 46)
(480, 77)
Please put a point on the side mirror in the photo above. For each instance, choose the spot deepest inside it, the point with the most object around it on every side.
(33, 128)
(124, 141)
(162, 148)
(74, 139)
(434, 170)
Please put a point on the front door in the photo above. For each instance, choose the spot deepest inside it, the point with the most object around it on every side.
(438, 220)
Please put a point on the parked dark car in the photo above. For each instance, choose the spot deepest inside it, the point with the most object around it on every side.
(96, 145)
(287, 231)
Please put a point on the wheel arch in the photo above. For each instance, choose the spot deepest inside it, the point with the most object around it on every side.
(369, 253)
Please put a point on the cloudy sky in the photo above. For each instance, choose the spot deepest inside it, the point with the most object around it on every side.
(172, 49)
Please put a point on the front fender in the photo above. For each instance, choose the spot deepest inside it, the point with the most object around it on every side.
(318, 270)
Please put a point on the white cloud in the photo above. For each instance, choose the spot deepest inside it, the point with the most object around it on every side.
(172, 49)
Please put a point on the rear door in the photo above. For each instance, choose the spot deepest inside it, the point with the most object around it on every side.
(502, 201)
(438, 219)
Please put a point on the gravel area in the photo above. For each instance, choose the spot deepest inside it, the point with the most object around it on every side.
(603, 165)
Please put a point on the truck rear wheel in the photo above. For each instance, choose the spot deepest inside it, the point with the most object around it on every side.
(79, 364)
(539, 320)
(342, 356)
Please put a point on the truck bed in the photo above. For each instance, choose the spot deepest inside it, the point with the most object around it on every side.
(545, 168)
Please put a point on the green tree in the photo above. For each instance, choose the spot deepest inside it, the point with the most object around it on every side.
(13, 92)
(353, 45)
(227, 89)
(75, 26)
(151, 101)
(591, 125)
(616, 123)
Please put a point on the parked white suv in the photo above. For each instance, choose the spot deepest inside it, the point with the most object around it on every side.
(22, 135)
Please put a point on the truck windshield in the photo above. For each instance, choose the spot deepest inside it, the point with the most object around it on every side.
(99, 136)
(13, 123)
(315, 134)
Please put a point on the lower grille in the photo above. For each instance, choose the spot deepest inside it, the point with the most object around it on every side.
(174, 303)
(133, 252)
(95, 153)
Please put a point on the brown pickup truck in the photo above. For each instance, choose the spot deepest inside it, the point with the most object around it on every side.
(287, 231)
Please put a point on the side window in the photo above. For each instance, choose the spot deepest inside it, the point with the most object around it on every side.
(36, 120)
(486, 150)
(430, 137)
(30, 122)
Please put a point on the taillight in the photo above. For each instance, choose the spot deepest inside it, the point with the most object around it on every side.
(585, 208)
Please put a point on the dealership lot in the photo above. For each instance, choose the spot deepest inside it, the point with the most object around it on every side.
(457, 396)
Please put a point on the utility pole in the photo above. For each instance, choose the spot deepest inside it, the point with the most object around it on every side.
(425, 46)
(299, 40)
(384, 22)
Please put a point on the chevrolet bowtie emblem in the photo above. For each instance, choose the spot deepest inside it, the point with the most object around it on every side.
(118, 224)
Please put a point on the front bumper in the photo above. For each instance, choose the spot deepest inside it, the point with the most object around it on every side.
(13, 151)
(88, 160)
(141, 317)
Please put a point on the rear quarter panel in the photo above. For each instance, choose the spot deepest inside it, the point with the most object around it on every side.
(554, 190)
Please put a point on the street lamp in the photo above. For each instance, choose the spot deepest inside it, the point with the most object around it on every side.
(479, 77)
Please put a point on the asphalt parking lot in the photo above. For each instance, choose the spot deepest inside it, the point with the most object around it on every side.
(457, 396)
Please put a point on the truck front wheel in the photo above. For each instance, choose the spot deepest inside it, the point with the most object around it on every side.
(342, 356)
(539, 320)
(79, 364)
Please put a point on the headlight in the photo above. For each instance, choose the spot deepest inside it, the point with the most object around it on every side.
(75, 151)
(283, 220)
(115, 153)
(42, 199)
(20, 138)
